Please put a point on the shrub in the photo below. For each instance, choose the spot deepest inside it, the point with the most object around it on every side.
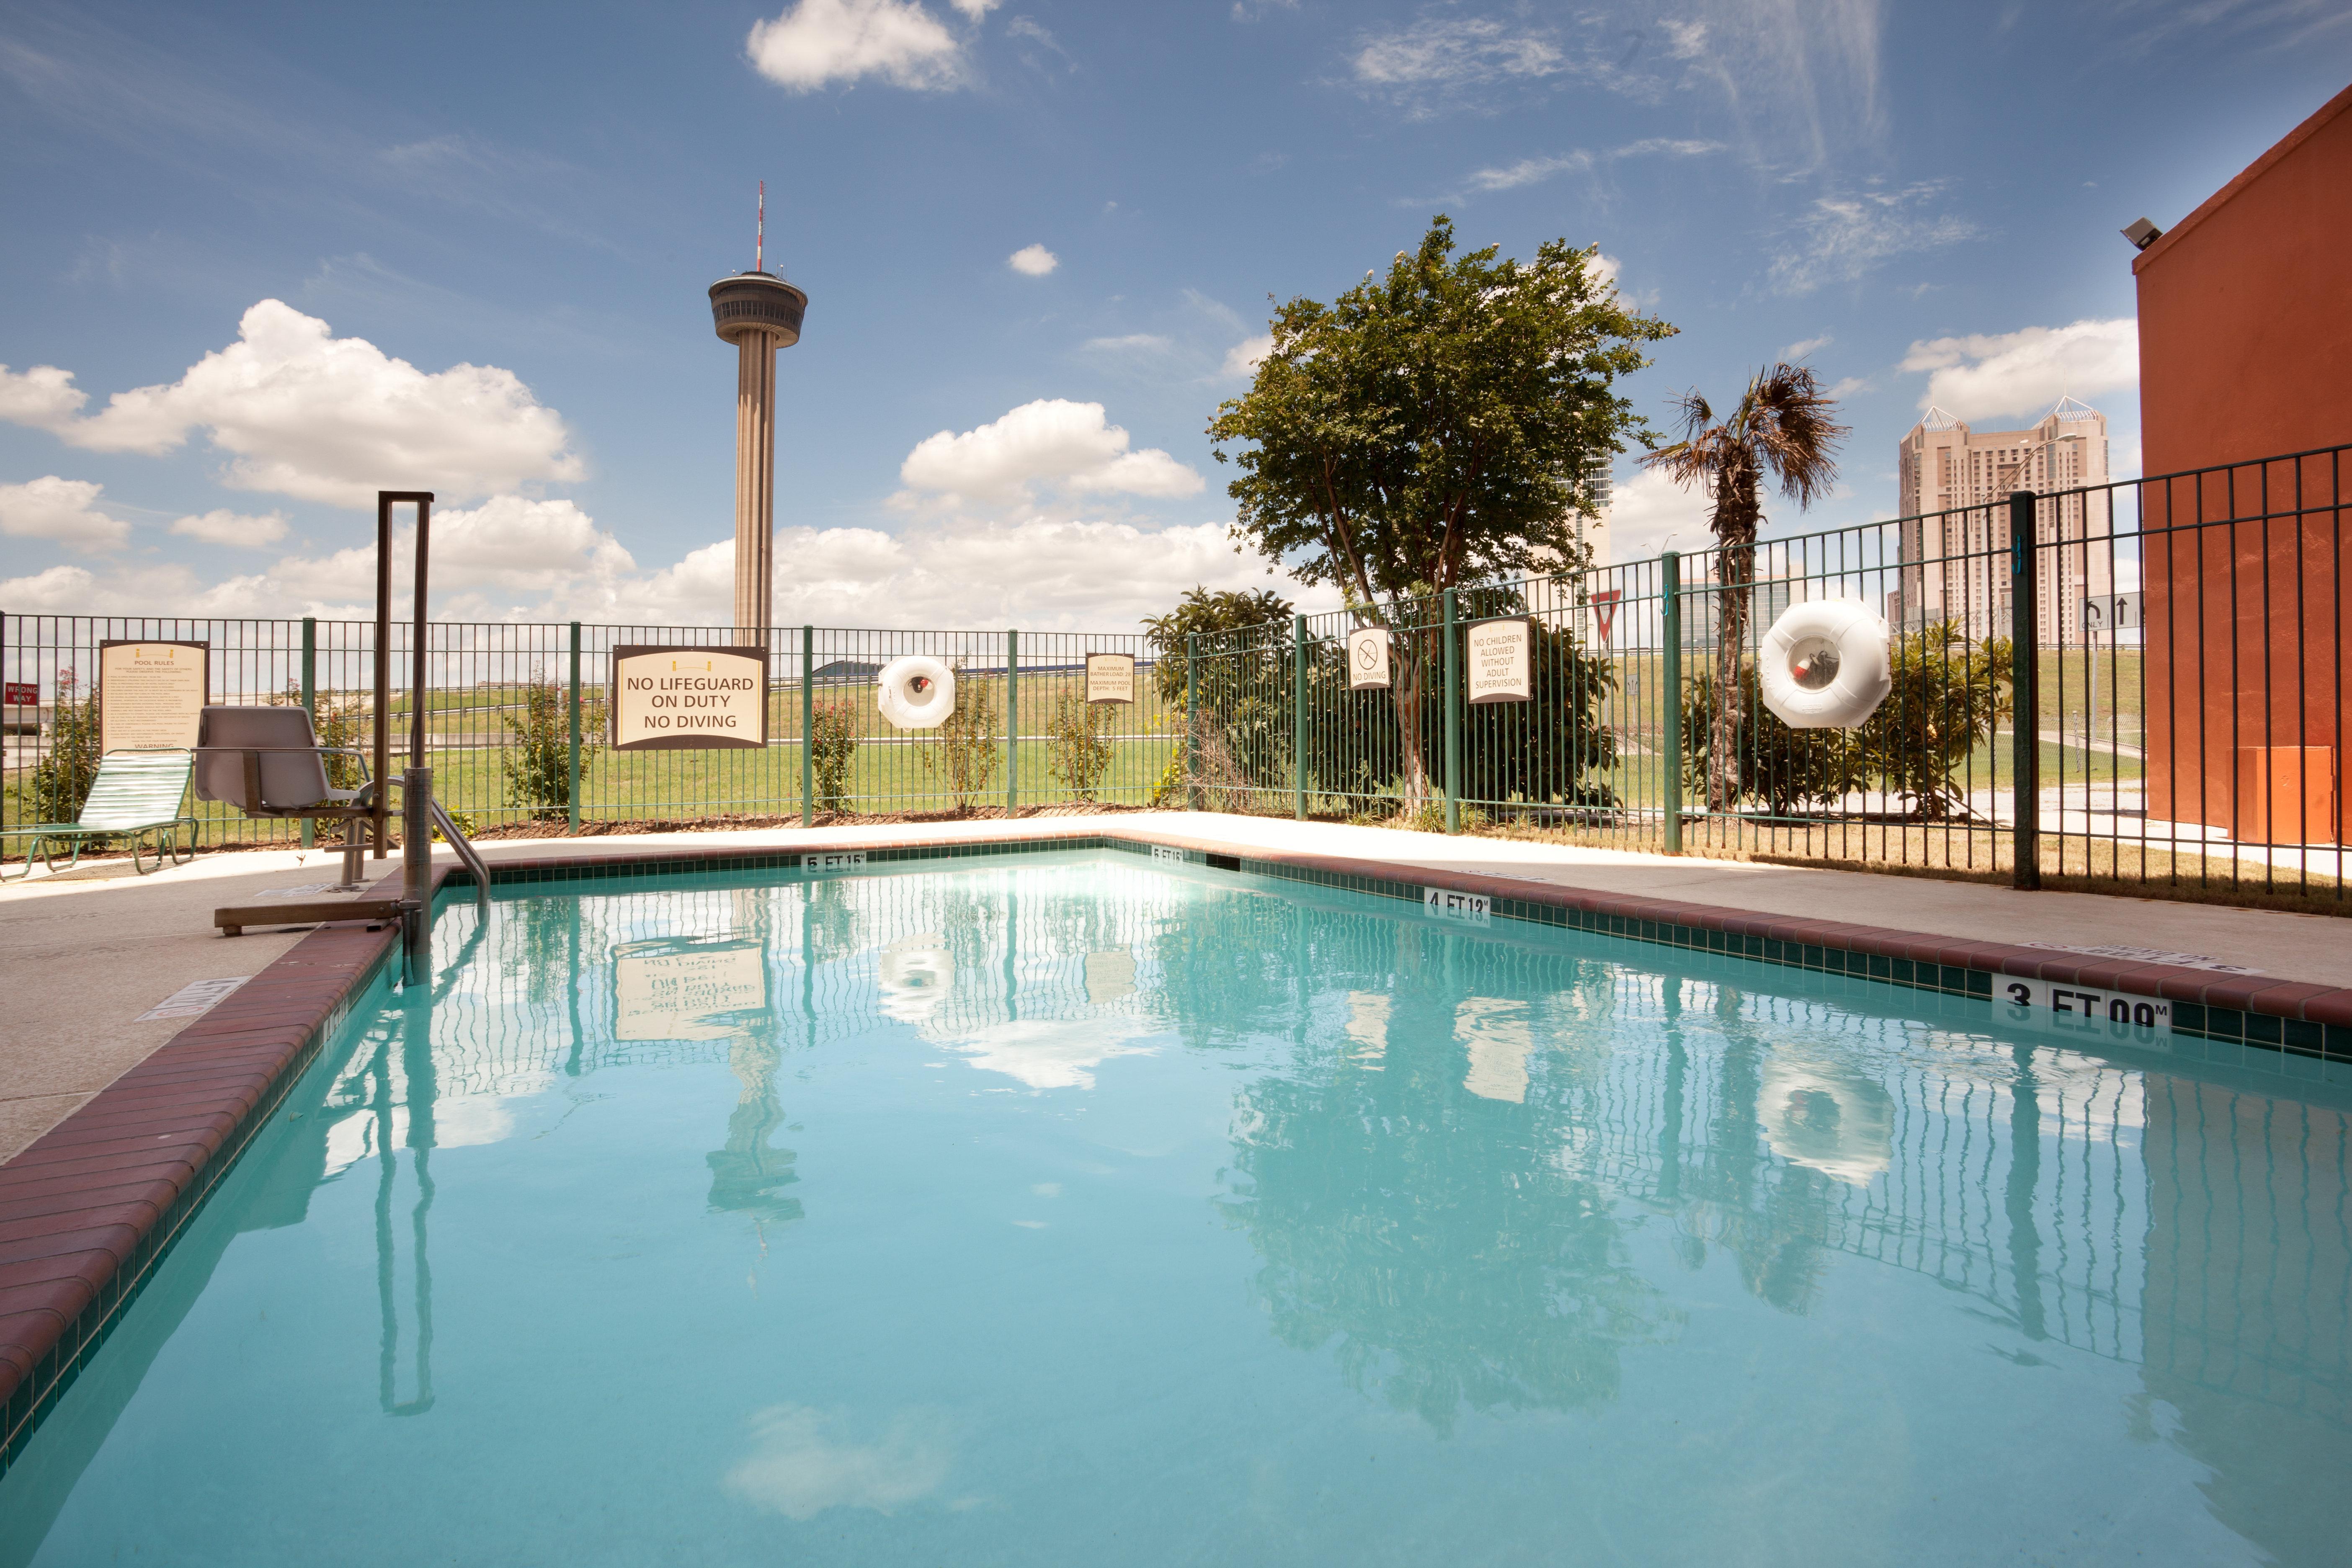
(968, 749)
(832, 749)
(61, 779)
(539, 765)
(1077, 743)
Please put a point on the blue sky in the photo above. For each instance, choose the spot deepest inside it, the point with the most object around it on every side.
(320, 249)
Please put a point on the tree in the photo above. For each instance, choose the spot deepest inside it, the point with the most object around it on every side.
(968, 747)
(539, 763)
(1451, 423)
(1239, 738)
(1783, 427)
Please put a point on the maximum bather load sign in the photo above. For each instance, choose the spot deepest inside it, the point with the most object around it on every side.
(685, 698)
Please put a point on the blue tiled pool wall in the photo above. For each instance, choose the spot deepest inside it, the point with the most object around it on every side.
(2220, 1026)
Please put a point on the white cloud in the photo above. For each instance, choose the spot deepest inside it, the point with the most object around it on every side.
(1528, 171)
(1134, 343)
(1070, 446)
(795, 1470)
(1649, 512)
(822, 41)
(1243, 358)
(1844, 236)
(1455, 52)
(976, 9)
(2024, 372)
(43, 396)
(63, 510)
(303, 413)
(1604, 267)
(1804, 346)
(1033, 261)
(221, 526)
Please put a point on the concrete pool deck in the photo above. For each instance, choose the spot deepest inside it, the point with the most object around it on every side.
(119, 1128)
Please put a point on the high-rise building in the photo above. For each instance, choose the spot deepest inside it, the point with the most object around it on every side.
(1953, 498)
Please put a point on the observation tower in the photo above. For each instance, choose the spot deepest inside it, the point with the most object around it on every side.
(759, 312)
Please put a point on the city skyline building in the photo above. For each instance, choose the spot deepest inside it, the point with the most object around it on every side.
(760, 313)
(1953, 484)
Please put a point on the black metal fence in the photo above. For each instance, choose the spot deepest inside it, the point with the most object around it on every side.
(2136, 685)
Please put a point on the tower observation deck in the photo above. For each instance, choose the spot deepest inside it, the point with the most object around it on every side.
(759, 312)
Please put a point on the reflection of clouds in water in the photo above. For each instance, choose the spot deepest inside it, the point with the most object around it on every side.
(1827, 1119)
(1051, 1054)
(914, 974)
(459, 1121)
(793, 1470)
(1496, 1035)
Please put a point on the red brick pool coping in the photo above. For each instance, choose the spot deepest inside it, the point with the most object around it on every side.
(87, 1209)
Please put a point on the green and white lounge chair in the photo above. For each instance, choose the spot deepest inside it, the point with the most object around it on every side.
(137, 796)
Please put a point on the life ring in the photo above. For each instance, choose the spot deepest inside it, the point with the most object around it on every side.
(917, 692)
(1823, 664)
(1827, 1119)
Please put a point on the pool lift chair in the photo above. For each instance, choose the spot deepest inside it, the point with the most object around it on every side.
(268, 763)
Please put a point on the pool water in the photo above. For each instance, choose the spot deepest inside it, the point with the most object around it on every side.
(1081, 1209)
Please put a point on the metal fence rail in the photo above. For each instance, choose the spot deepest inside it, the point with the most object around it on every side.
(2138, 685)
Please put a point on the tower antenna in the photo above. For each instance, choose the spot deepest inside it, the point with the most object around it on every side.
(759, 235)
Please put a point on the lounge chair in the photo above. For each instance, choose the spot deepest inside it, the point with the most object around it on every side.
(268, 762)
(136, 795)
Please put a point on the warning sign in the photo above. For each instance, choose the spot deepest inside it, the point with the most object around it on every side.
(687, 698)
(1499, 659)
(1368, 657)
(1110, 678)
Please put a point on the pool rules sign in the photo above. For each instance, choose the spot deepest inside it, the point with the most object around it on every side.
(688, 699)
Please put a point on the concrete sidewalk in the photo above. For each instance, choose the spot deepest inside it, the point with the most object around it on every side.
(85, 954)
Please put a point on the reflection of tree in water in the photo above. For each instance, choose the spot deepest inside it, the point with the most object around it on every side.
(831, 924)
(1229, 964)
(1434, 1234)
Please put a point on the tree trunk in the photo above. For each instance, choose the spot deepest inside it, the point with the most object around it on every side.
(1735, 527)
(1405, 691)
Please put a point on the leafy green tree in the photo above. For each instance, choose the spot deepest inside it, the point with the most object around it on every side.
(1077, 743)
(1947, 697)
(1788, 769)
(1782, 428)
(1241, 733)
(1445, 425)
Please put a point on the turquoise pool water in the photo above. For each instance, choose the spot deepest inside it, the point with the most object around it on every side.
(1076, 1209)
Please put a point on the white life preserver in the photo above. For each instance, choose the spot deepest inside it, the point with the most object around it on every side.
(909, 708)
(1823, 664)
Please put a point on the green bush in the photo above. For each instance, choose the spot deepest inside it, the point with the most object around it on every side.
(1945, 699)
(539, 765)
(833, 750)
(1077, 743)
(968, 748)
(61, 779)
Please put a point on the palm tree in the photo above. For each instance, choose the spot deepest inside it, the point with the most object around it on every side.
(1782, 428)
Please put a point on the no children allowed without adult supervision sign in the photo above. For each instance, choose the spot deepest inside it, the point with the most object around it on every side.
(687, 699)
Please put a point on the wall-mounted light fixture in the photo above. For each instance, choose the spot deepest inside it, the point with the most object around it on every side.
(2143, 234)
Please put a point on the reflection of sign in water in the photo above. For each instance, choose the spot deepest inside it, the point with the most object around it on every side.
(1110, 678)
(1368, 657)
(1498, 659)
(150, 694)
(681, 989)
(682, 698)
(1110, 976)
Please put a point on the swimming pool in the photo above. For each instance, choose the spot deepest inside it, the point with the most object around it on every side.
(1082, 1207)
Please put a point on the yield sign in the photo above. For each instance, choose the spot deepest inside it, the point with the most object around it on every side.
(1604, 609)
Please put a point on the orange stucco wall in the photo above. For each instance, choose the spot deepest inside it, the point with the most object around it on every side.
(2245, 342)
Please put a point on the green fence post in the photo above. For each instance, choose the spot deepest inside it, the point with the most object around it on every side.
(2025, 693)
(572, 762)
(1192, 722)
(808, 724)
(1012, 722)
(1453, 723)
(1298, 716)
(310, 704)
(1670, 590)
